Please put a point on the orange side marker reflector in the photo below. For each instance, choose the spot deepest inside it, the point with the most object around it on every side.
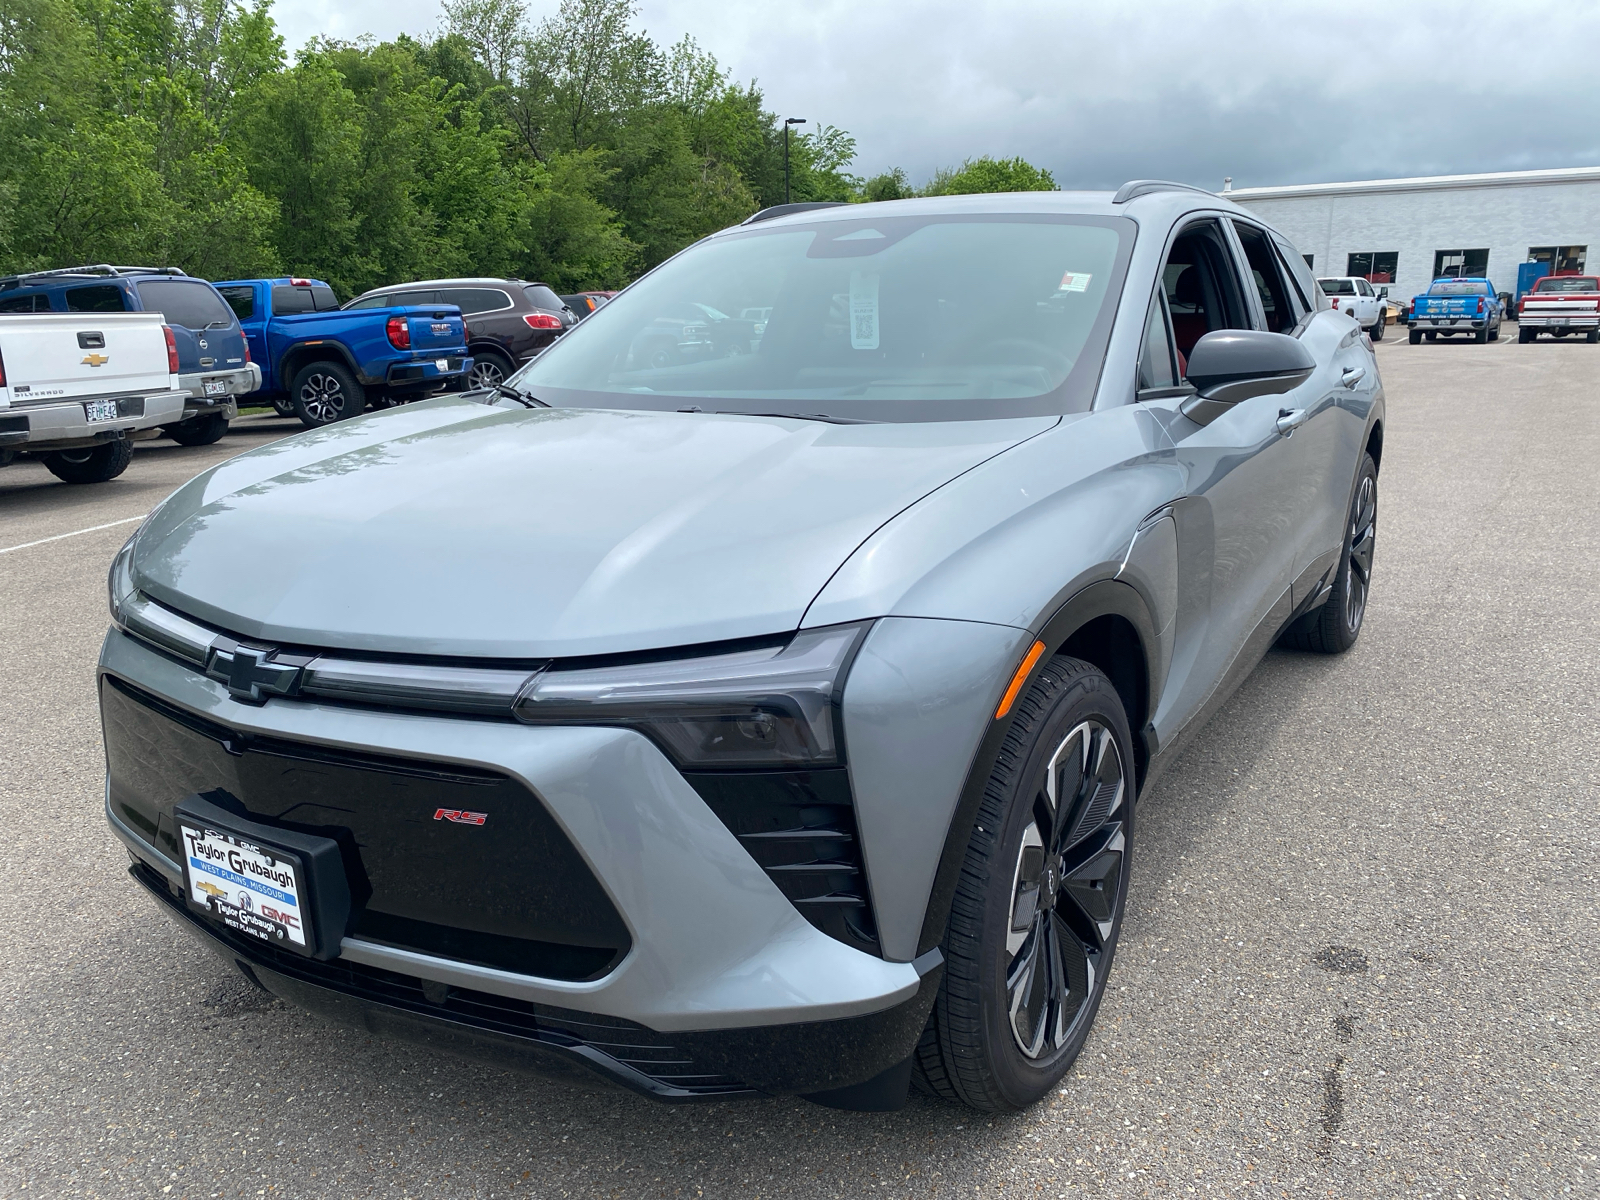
(1019, 679)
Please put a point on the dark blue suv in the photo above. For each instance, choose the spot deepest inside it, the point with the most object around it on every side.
(214, 363)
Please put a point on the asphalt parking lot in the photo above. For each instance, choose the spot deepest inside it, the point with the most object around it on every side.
(1359, 958)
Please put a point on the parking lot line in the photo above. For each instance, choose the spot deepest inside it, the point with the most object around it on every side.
(76, 532)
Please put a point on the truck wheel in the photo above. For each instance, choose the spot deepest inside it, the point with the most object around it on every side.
(1376, 332)
(1494, 334)
(1482, 335)
(1431, 335)
(92, 464)
(1416, 337)
(199, 431)
(325, 392)
(1526, 335)
(1594, 336)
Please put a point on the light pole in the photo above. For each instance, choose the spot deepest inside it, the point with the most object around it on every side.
(788, 121)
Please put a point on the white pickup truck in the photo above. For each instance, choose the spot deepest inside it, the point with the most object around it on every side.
(1560, 306)
(76, 388)
(1353, 295)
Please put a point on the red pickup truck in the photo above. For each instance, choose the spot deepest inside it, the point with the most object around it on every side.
(1561, 304)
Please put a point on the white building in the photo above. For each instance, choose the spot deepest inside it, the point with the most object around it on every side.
(1404, 233)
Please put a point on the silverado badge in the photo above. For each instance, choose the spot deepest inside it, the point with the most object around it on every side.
(96, 360)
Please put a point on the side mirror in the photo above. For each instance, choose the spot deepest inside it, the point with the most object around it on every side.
(1231, 365)
(1383, 293)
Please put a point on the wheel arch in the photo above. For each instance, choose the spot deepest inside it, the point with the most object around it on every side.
(1375, 444)
(297, 357)
(1106, 624)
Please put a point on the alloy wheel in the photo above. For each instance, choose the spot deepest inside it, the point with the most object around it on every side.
(1070, 874)
(484, 374)
(1363, 532)
(323, 398)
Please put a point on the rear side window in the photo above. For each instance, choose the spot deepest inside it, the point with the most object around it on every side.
(101, 297)
(1280, 313)
(193, 305)
(383, 301)
(38, 302)
(476, 300)
(542, 297)
(241, 299)
(1299, 266)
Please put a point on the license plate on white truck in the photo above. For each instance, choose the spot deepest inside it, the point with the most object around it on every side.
(216, 387)
(100, 410)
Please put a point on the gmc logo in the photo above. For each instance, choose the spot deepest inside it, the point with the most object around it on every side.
(459, 817)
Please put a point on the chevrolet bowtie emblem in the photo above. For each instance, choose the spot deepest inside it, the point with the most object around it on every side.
(96, 360)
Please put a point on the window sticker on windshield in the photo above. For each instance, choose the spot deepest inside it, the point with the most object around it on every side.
(1075, 281)
(863, 310)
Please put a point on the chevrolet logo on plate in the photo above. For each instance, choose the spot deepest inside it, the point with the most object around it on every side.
(96, 360)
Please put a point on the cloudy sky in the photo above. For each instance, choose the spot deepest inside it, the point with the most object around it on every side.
(1189, 90)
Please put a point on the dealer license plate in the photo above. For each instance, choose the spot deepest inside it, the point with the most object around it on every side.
(442, 364)
(100, 410)
(216, 387)
(249, 888)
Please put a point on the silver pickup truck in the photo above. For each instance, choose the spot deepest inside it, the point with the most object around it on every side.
(77, 388)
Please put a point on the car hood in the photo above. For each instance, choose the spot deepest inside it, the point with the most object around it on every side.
(452, 528)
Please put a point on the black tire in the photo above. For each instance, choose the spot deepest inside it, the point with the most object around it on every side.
(1494, 334)
(1594, 336)
(325, 392)
(1416, 336)
(1481, 336)
(1432, 335)
(93, 464)
(1527, 335)
(1376, 333)
(973, 1047)
(1334, 627)
(199, 431)
(488, 369)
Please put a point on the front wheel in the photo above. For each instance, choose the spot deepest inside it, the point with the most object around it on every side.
(1334, 627)
(489, 370)
(1376, 333)
(1034, 924)
(325, 392)
(94, 464)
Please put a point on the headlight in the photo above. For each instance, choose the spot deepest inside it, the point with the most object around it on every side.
(751, 708)
(119, 580)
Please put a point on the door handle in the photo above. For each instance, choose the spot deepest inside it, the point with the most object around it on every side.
(1290, 419)
(1353, 376)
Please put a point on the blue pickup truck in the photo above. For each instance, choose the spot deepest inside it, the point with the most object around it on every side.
(322, 363)
(1452, 306)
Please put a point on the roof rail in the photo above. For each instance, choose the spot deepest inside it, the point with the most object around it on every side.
(90, 269)
(783, 210)
(1135, 188)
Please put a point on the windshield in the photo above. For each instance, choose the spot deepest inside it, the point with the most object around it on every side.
(892, 318)
(1337, 287)
(1569, 283)
(1452, 288)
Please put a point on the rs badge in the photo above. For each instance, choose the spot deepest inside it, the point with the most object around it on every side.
(459, 817)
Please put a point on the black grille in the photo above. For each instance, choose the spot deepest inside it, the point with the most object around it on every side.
(512, 893)
(634, 1045)
(800, 826)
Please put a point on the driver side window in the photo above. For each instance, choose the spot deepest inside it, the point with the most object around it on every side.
(1202, 288)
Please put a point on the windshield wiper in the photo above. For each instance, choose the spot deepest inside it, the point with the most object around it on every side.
(522, 398)
(827, 417)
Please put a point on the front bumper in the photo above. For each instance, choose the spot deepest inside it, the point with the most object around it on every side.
(720, 962)
(67, 426)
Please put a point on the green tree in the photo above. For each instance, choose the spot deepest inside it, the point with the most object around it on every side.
(990, 175)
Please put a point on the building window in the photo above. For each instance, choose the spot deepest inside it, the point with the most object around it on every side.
(1562, 260)
(1375, 266)
(1311, 261)
(1460, 264)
